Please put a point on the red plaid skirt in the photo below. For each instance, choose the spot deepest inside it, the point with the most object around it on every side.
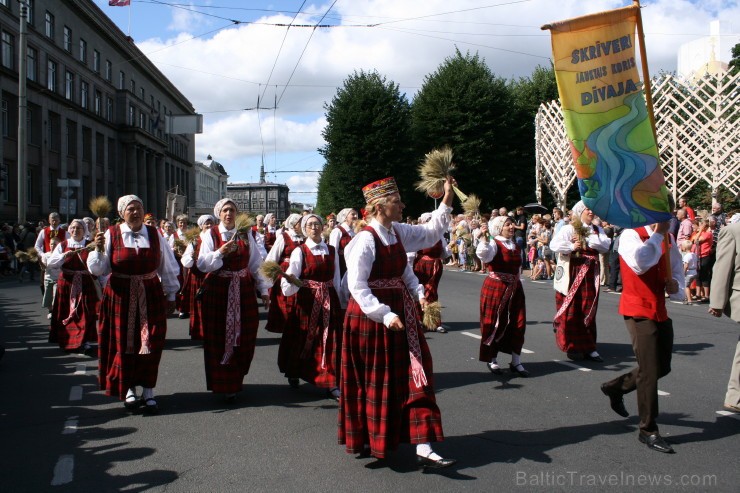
(380, 404)
(429, 272)
(194, 283)
(280, 311)
(227, 378)
(571, 332)
(81, 328)
(512, 321)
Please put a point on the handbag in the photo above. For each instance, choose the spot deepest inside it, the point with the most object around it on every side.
(561, 281)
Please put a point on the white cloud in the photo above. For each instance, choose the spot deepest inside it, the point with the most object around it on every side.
(229, 70)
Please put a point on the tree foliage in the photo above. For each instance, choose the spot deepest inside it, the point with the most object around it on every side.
(734, 64)
(367, 138)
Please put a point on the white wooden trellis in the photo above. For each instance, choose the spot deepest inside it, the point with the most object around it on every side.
(698, 128)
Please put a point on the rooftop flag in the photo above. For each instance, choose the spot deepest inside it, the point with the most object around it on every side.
(119, 3)
(607, 121)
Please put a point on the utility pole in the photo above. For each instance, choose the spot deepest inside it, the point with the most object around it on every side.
(22, 113)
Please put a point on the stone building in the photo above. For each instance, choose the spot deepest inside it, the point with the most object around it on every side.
(210, 187)
(96, 113)
(261, 198)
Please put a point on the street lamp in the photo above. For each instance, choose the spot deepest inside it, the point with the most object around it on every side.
(22, 110)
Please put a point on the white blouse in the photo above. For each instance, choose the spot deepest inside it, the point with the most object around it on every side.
(486, 250)
(277, 248)
(336, 235)
(641, 257)
(56, 259)
(296, 262)
(562, 242)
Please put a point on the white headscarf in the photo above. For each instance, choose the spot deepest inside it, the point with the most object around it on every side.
(497, 224)
(268, 216)
(304, 221)
(205, 217)
(342, 216)
(85, 230)
(292, 220)
(220, 205)
(579, 208)
(424, 218)
(124, 201)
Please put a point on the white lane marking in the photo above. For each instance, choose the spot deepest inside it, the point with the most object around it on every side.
(81, 369)
(63, 470)
(75, 393)
(579, 368)
(476, 336)
(729, 413)
(70, 426)
(661, 392)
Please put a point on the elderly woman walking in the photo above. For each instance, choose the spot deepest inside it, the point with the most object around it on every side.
(74, 313)
(281, 307)
(231, 262)
(340, 236)
(387, 381)
(194, 280)
(133, 313)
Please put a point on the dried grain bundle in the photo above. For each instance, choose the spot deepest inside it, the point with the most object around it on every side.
(100, 206)
(33, 255)
(244, 223)
(191, 234)
(432, 316)
(180, 246)
(272, 271)
(472, 205)
(435, 169)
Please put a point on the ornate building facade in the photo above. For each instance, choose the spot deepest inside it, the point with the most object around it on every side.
(261, 198)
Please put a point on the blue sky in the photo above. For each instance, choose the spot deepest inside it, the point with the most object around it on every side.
(223, 67)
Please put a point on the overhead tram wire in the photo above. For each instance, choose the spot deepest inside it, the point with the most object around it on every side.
(280, 50)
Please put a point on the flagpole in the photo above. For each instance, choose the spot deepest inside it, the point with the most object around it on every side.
(651, 115)
(129, 18)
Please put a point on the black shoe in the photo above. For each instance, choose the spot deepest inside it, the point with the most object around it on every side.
(132, 403)
(434, 464)
(574, 356)
(294, 382)
(441, 330)
(519, 370)
(495, 370)
(330, 394)
(596, 358)
(230, 398)
(656, 442)
(183, 315)
(616, 401)
(150, 405)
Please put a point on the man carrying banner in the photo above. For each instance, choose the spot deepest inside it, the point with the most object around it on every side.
(643, 254)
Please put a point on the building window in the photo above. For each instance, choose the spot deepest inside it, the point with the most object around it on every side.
(142, 120)
(121, 80)
(8, 49)
(5, 119)
(67, 39)
(49, 25)
(109, 109)
(32, 63)
(131, 115)
(4, 178)
(98, 103)
(54, 131)
(84, 94)
(51, 75)
(108, 70)
(142, 94)
(71, 135)
(69, 84)
(133, 87)
(31, 10)
(83, 50)
(86, 144)
(96, 61)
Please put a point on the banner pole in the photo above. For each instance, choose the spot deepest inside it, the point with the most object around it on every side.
(651, 114)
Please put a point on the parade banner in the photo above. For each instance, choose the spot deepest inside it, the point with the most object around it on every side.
(607, 120)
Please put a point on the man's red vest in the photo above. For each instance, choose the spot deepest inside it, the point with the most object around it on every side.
(643, 296)
(50, 233)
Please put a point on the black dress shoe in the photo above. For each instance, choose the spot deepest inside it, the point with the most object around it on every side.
(432, 463)
(656, 442)
(230, 398)
(496, 370)
(616, 401)
(596, 358)
(132, 403)
(574, 356)
(294, 382)
(519, 370)
(150, 406)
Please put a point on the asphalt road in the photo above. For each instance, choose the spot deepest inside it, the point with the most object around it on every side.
(552, 432)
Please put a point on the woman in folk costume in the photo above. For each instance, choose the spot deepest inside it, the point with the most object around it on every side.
(503, 316)
(74, 313)
(311, 344)
(229, 304)
(171, 236)
(281, 307)
(427, 265)
(342, 235)
(133, 313)
(194, 280)
(575, 319)
(387, 389)
(270, 231)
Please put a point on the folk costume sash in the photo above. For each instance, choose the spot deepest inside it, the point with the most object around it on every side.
(75, 294)
(589, 258)
(511, 281)
(321, 300)
(137, 304)
(233, 311)
(411, 316)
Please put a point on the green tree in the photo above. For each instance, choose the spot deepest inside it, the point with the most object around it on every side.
(735, 60)
(367, 138)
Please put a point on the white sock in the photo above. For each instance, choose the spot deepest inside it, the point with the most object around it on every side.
(147, 394)
(131, 393)
(425, 450)
(594, 354)
(494, 362)
(335, 391)
(515, 359)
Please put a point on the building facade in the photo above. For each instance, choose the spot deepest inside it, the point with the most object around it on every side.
(210, 187)
(261, 198)
(96, 112)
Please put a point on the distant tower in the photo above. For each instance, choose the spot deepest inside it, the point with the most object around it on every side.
(262, 172)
